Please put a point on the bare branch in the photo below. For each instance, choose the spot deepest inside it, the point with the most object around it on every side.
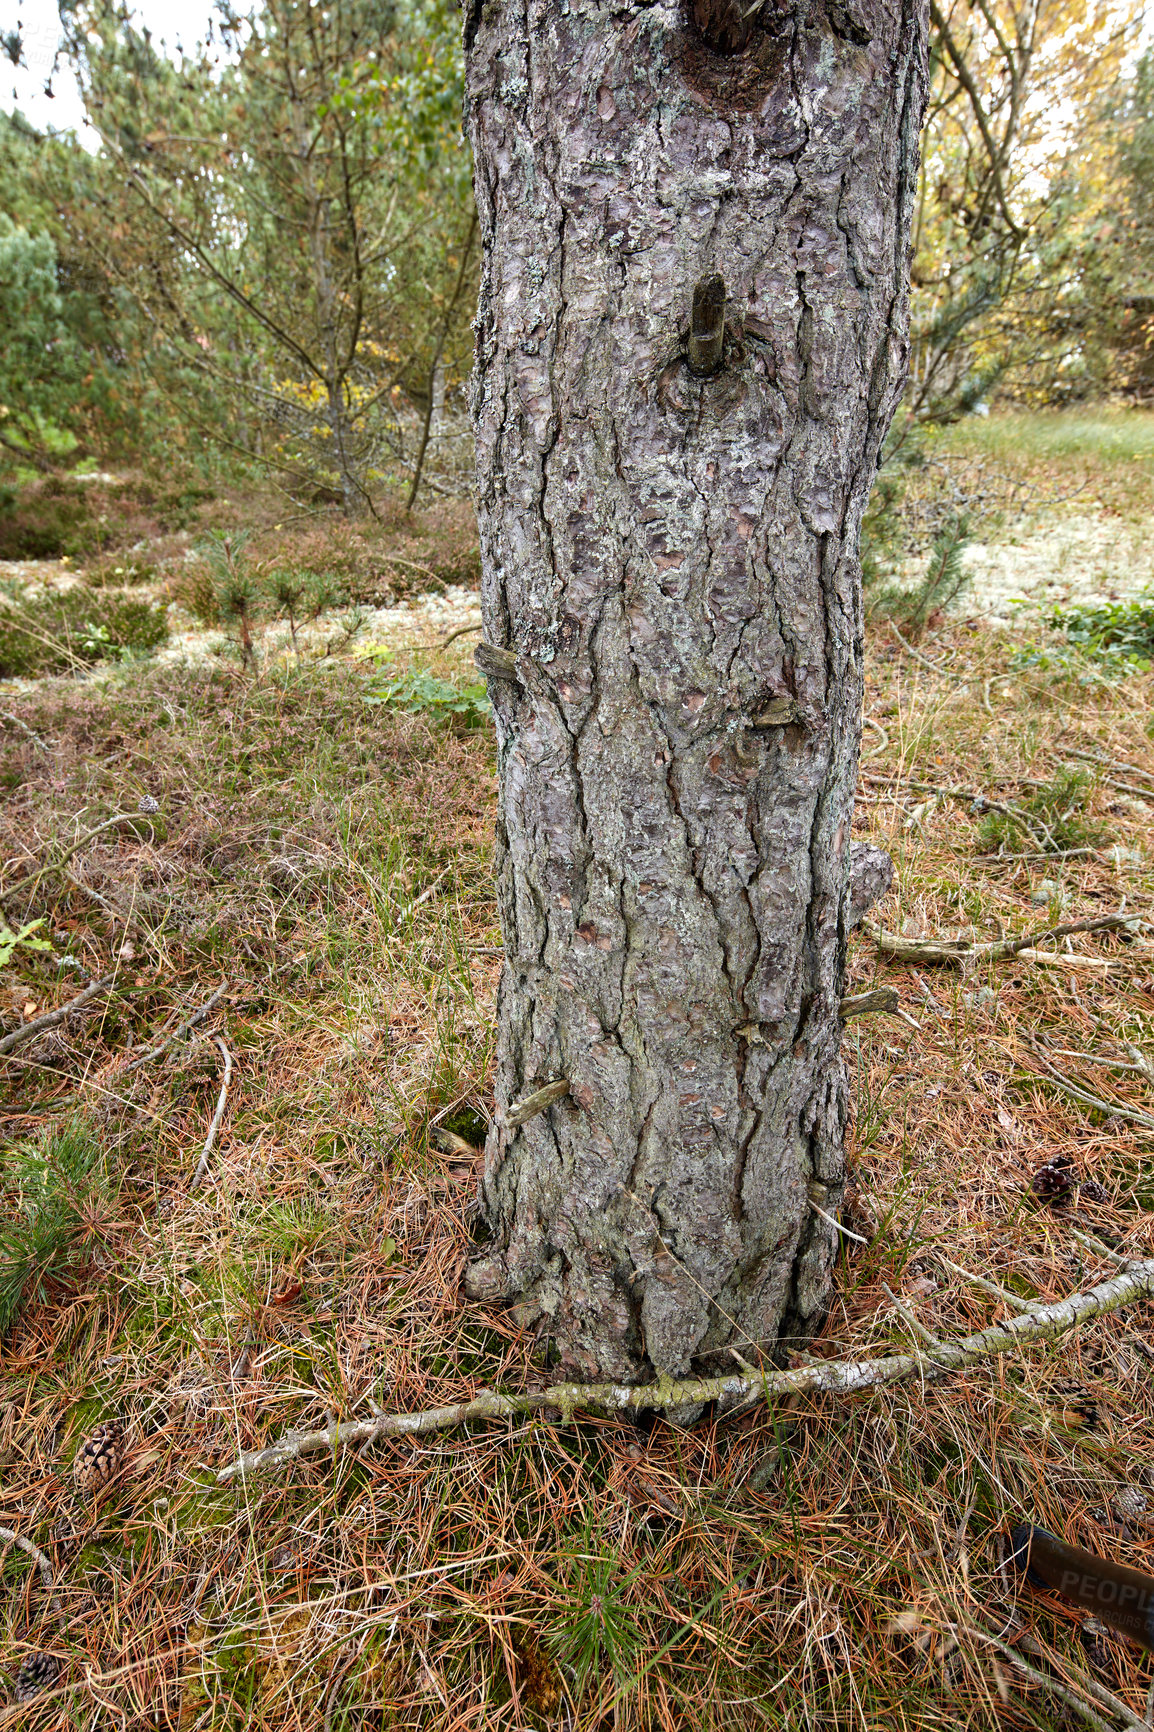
(53, 1017)
(831, 1377)
(202, 1164)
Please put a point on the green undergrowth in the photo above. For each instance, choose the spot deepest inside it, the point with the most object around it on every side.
(48, 1187)
(326, 863)
(79, 518)
(1052, 817)
(46, 632)
(420, 692)
(1118, 632)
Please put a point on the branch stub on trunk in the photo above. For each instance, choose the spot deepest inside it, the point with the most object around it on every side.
(707, 329)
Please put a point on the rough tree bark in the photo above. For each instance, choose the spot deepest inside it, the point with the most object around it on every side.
(672, 561)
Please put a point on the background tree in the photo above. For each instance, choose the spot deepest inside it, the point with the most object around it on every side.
(1015, 177)
(669, 527)
(95, 382)
(1127, 245)
(38, 364)
(270, 213)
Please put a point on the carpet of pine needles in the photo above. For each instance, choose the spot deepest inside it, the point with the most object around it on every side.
(832, 1563)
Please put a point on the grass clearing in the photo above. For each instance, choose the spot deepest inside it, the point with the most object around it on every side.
(1101, 434)
(328, 860)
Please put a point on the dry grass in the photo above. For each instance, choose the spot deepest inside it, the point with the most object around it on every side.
(1008, 471)
(786, 1569)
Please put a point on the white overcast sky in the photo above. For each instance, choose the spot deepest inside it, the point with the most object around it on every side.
(171, 21)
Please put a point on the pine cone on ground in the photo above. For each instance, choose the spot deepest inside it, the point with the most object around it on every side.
(1053, 1183)
(1129, 1503)
(38, 1672)
(99, 1457)
(1099, 1651)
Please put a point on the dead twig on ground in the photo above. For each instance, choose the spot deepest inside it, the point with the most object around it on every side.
(7, 716)
(461, 631)
(838, 1226)
(202, 1164)
(1013, 1300)
(1039, 859)
(978, 803)
(1112, 1109)
(52, 1017)
(869, 722)
(57, 865)
(183, 1029)
(1054, 1686)
(867, 1003)
(1108, 764)
(39, 1559)
(832, 1377)
(962, 950)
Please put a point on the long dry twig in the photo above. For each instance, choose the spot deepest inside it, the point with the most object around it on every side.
(55, 865)
(832, 1377)
(39, 1559)
(7, 716)
(1013, 1300)
(461, 631)
(1112, 1109)
(961, 950)
(183, 1029)
(202, 1164)
(50, 1019)
(1053, 1685)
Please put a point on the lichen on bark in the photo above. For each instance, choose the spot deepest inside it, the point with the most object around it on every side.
(673, 561)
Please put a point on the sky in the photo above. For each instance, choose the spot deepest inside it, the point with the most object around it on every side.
(171, 21)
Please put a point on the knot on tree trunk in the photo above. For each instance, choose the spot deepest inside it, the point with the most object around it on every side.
(724, 25)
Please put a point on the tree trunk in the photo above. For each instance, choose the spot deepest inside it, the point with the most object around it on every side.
(673, 560)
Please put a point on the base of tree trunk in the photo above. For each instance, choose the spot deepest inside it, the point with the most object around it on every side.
(691, 337)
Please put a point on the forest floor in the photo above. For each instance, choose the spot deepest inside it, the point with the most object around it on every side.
(306, 843)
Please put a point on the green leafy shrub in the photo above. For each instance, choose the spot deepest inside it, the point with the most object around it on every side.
(419, 692)
(45, 1193)
(1120, 631)
(11, 941)
(50, 633)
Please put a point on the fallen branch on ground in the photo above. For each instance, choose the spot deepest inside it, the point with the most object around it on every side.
(831, 1377)
(55, 865)
(52, 1017)
(184, 1028)
(202, 1164)
(961, 950)
(39, 1559)
(866, 1003)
